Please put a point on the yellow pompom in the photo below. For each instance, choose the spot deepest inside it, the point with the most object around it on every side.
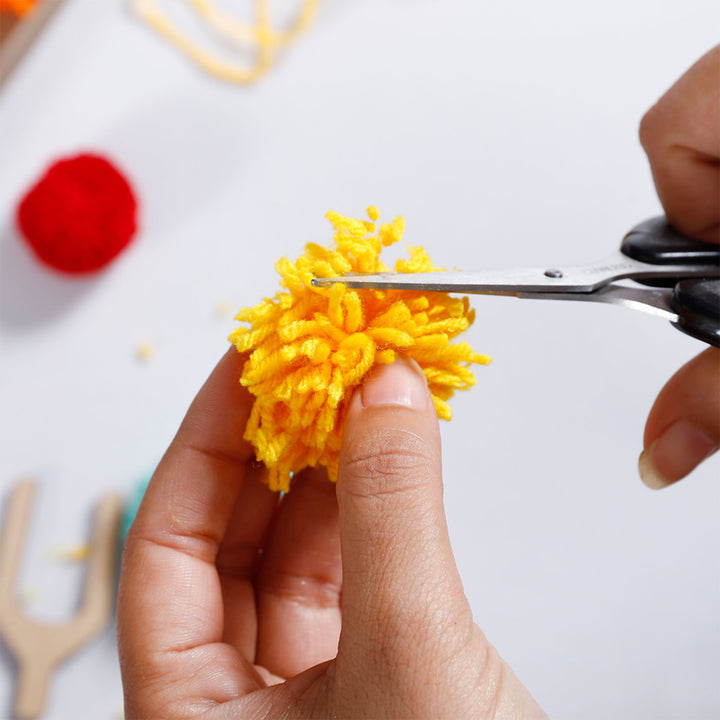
(309, 347)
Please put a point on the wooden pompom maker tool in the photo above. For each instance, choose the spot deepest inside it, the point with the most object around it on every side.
(684, 275)
(19, 33)
(39, 646)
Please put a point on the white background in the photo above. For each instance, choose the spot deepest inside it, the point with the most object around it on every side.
(505, 133)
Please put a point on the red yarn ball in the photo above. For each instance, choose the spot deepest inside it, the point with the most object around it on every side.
(80, 215)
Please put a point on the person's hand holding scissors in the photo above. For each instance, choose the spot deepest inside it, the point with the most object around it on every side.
(681, 136)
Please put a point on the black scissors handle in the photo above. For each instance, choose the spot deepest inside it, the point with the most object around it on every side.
(657, 242)
(696, 301)
(697, 304)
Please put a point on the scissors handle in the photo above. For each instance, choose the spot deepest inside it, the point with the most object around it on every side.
(696, 301)
(656, 242)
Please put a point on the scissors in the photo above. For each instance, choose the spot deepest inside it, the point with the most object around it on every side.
(679, 276)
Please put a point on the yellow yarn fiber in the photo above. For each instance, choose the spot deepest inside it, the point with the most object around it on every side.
(310, 347)
(261, 35)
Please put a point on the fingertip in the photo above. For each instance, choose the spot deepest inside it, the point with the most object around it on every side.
(221, 407)
(683, 428)
(400, 384)
(649, 474)
(391, 434)
(675, 454)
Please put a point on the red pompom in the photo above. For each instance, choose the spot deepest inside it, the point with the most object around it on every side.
(80, 215)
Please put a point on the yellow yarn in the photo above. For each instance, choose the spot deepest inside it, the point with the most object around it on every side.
(261, 34)
(309, 348)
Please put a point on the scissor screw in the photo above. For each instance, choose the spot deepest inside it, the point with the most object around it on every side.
(553, 273)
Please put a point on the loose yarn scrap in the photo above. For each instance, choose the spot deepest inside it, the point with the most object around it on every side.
(310, 347)
(261, 35)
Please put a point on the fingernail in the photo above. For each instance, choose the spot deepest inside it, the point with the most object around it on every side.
(401, 384)
(680, 449)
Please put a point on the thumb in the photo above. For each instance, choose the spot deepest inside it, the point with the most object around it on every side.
(683, 428)
(402, 595)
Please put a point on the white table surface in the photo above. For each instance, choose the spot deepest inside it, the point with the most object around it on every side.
(505, 133)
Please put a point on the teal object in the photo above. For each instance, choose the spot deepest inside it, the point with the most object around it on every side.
(131, 507)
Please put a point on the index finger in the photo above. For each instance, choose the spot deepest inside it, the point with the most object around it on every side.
(170, 611)
(681, 136)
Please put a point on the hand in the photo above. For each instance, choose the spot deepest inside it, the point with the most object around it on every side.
(336, 601)
(681, 136)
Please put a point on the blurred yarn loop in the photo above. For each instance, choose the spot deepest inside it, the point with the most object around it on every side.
(261, 36)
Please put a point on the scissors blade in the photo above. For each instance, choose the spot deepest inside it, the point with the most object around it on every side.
(652, 301)
(511, 281)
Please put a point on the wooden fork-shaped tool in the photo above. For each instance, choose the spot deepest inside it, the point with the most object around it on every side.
(38, 646)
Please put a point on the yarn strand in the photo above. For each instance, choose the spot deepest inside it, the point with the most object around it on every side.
(261, 35)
